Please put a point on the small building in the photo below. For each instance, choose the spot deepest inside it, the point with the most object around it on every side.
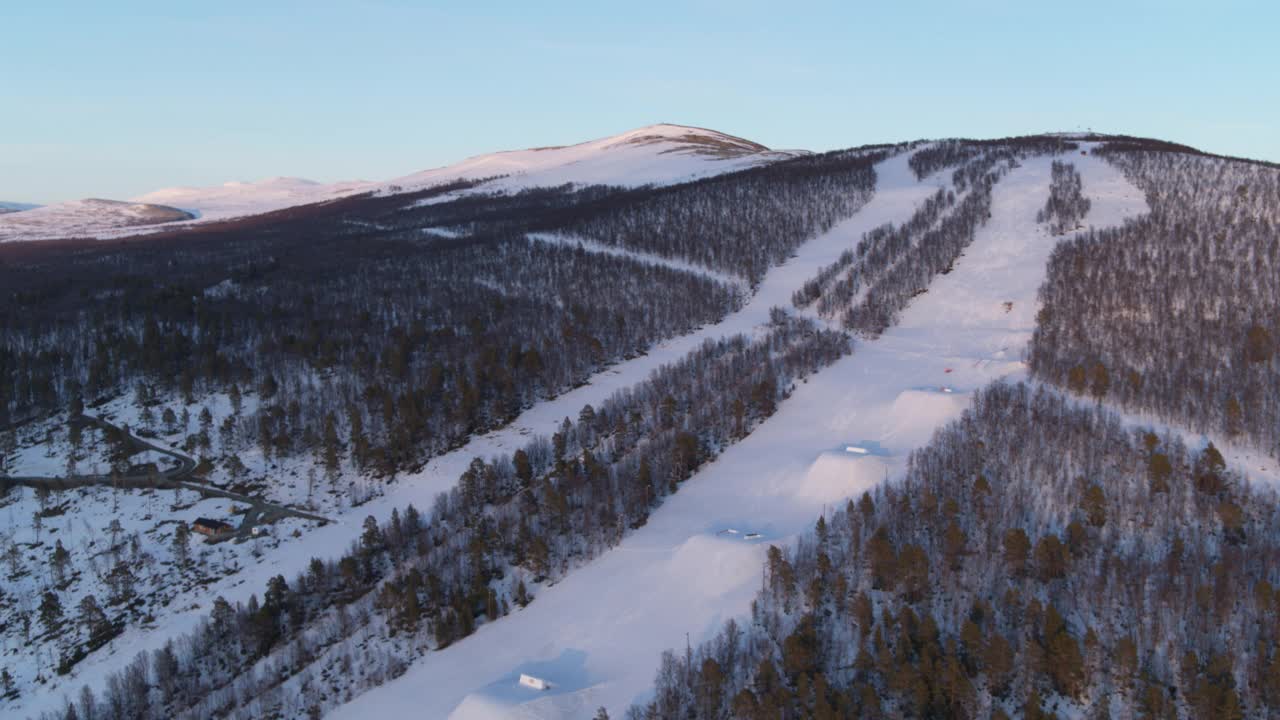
(143, 470)
(536, 683)
(211, 528)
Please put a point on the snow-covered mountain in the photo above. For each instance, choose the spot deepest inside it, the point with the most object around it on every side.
(85, 218)
(963, 245)
(655, 154)
(235, 199)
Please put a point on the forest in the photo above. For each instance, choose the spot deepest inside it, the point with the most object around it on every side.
(365, 336)
(1066, 205)
(741, 223)
(1176, 313)
(870, 285)
(428, 578)
(944, 154)
(1039, 559)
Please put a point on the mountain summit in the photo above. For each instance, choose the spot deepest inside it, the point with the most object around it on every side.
(651, 155)
(654, 154)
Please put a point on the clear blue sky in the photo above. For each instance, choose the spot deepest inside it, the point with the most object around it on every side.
(113, 99)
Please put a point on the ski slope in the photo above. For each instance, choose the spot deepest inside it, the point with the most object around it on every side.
(597, 635)
(898, 200)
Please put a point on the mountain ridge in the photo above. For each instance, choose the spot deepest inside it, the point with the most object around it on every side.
(650, 155)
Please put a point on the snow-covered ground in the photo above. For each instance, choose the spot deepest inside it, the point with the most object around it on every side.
(234, 199)
(441, 473)
(656, 154)
(596, 636)
(86, 218)
(100, 529)
(593, 246)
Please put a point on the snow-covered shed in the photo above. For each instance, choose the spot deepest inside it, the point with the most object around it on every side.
(536, 683)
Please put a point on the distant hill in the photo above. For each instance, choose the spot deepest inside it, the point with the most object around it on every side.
(652, 155)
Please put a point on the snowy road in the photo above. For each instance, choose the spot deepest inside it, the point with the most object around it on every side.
(597, 635)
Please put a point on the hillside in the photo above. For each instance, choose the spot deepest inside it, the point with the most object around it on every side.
(83, 218)
(656, 154)
(235, 199)
(564, 420)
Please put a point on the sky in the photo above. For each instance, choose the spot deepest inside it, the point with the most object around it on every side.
(118, 99)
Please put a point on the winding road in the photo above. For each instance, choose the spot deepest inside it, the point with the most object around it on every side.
(259, 511)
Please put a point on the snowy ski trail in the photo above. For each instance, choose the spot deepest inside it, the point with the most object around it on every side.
(596, 636)
(896, 198)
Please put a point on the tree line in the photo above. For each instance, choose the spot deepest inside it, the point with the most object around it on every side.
(365, 337)
(1066, 205)
(424, 580)
(943, 154)
(1039, 559)
(1176, 313)
(740, 223)
(870, 285)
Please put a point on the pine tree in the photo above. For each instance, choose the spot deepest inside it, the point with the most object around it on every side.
(93, 619)
(371, 536)
(1017, 548)
(1160, 469)
(1095, 506)
(182, 545)
(330, 441)
(59, 559)
(523, 468)
(1101, 382)
(50, 611)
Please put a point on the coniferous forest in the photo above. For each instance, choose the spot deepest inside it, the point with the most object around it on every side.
(1042, 556)
(428, 577)
(1176, 313)
(1038, 557)
(348, 315)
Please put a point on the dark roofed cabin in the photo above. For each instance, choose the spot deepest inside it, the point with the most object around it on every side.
(211, 528)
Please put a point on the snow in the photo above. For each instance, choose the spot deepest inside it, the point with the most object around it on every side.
(442, 472)
(569, 692)
(593, 246)
(80, 519)
(83, 218)
(657, 154)
(235, 199)
(596, 635)
(677, 574)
